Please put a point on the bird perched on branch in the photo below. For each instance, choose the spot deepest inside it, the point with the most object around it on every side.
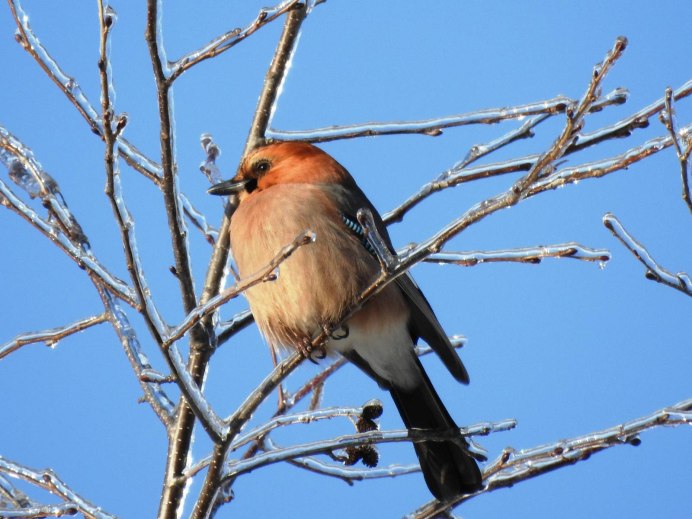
(288, 187)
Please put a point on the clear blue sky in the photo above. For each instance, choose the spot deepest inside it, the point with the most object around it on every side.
(564, 347)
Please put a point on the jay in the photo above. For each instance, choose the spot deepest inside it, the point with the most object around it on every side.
(287, 187)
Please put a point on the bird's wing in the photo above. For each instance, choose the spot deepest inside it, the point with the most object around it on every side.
(423, 322)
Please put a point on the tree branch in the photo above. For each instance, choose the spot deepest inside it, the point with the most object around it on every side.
(51, 336)
(49, 480)
(655, 272)
(513, 467)
(682, 151)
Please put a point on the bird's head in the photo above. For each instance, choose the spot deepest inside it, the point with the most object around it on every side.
(283, 163)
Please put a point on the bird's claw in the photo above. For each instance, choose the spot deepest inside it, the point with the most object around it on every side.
(311, 352)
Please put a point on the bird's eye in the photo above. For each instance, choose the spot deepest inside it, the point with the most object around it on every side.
(261, 166)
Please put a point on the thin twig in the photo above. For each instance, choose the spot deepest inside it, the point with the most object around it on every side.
(683, 152)
(231, 38)
(655, 272)
(50, 337)
(531, 255)
(113, 189)
(228, 329)
(430, 127)
(513, 467)
(49, 480)
(70, 87)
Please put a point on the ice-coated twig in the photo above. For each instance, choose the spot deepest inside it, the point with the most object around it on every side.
(211, 152)
(169, 180)
(655, 272)
(84, 259)
(235, 468)
(70, 87)
(604, 166)
(624, 127)
(348, 474)
(154, 394)
(227, 329)
(50, 337)
(40, 511)
(514, 466)
(231, 38)
(265, 274)
(198, 220)
(460, 173)
(111, 129)
(434, 127)
(49, 480)
(267, 102)
(532, 255)
(682, 150)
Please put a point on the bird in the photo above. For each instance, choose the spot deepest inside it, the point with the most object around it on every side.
(286, 187)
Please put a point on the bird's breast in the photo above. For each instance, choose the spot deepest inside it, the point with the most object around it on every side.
(319, 281)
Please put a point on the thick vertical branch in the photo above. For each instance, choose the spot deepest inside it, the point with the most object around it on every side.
(270, 91)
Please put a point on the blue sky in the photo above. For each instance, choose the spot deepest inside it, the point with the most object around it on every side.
(564, 347)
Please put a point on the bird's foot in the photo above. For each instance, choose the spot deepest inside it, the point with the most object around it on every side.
(311, 352)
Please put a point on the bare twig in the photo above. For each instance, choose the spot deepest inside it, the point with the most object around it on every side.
(83, 258)
(682, 151)
(50, 337)
(235, 468)
(228, 40)
(154, 394)
(228, 329)
(624, 127)
(522, 255)
(430, 127)
(70, 87)
(513, 467)
(48, 480)
(680, 281)
(126, 224)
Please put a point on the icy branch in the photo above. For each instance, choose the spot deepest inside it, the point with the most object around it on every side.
(153, 392)
(84, 259)
(682, 150)
(434, 127)
(70, 87)
(235, 468)
(48, 480)
(126, 224)
(50, 337)
(228, 40)
(521, 255)
(227, 329)
(513, 467)
(198, 219)
(655, 272)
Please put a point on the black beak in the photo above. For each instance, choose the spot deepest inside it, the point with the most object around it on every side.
(228, 187)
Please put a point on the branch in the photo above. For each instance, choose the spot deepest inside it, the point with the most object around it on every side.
(624, 127)
(270, 92)
(513, 467)
(50, 337)
(48, 480)
(228, 329)
(683, 152)
(83, 258)
(154, 394)
(113, 189)
(70, 87)
(531, 255)
(236, 468)
(654, 271)
(228, 40)
(432, 127)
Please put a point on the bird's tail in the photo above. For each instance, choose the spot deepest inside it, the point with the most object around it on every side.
(448, 468)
